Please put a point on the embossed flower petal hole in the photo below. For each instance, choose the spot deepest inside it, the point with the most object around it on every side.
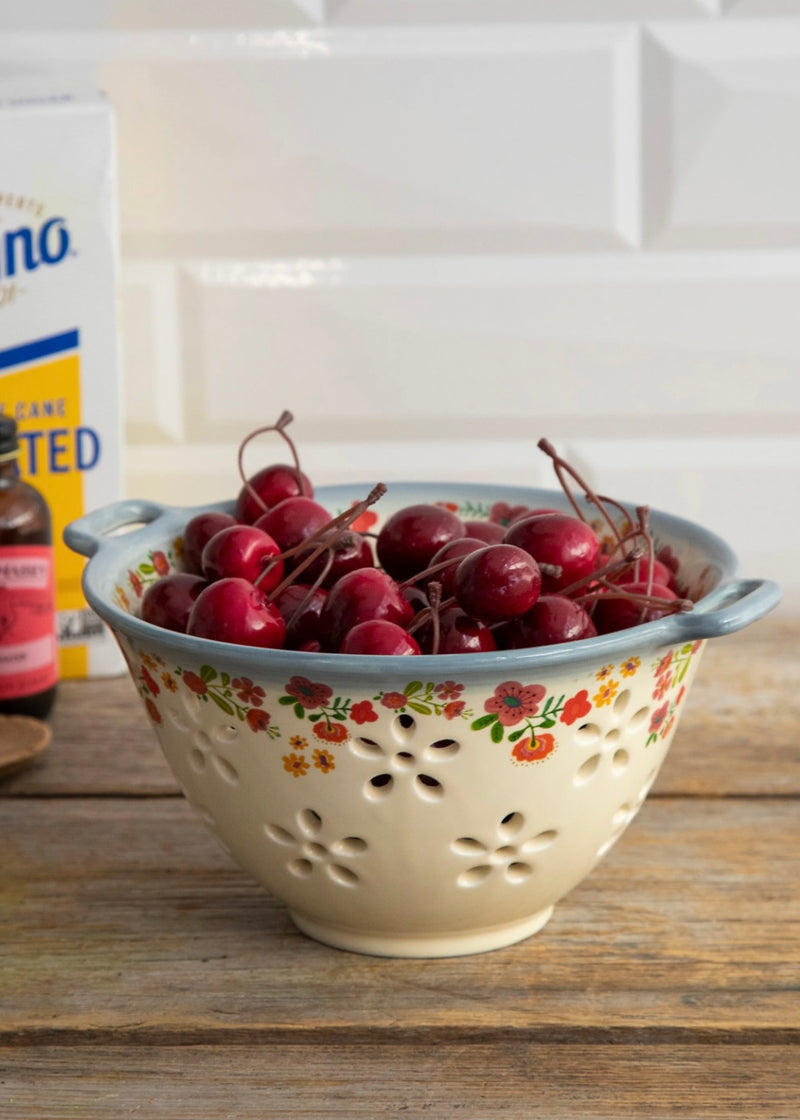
(587, 770)
(309, 854)
(404, 727)
(225, 768)
(442, 748)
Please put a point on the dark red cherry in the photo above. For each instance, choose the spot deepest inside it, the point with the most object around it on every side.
(552, 620)
(379, 637)
(168, 601)
(364, 594)
(490, 532)
(246, 551)
(454, 550)
(611, 613)
(348, 551)
(272, 484)
(198, 532)
(232, 610)
(497, 582)
(557, 539)
(293, 521)
(301, 607)
(411, 536)
(458, 633)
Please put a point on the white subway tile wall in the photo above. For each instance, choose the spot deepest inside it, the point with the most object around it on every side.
(437, 230)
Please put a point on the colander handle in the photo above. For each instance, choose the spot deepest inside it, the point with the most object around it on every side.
(86, 534)
(731, 607)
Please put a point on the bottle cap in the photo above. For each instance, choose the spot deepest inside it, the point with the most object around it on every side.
(9, 444)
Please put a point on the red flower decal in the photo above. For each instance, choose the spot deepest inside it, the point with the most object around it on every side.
(307, 693)
(136, 583)
(363, 712)
(330, 732)
(664, 663)
(195, 683)
(248, 692)
(513, 702)
(257, 720)
(534, 750)
(453, 709)
(148, 680)
(662, 686)
(393, 700)
(364, 522)
(576, 707)
(152, 710)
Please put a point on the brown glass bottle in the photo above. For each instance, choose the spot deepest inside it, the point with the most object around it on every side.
(28, 652)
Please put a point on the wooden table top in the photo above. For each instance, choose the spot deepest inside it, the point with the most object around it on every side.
(142, 974)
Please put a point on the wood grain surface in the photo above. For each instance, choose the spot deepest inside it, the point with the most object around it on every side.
(142, 974)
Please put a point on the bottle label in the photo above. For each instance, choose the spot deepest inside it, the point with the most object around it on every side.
(28, 647)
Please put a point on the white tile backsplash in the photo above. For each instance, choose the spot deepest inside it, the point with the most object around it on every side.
(438, 229)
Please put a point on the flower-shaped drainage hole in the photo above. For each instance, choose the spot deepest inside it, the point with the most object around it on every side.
(511, 824)
(403, 728)
(404, 760)
(621, 703)
(474, 876)
(518, 872)
(442, 748)
(366, 748)
(620, 761)
(612, 736)
(541, 841)
(310, 821)
(587, 734)
(638, 719)
(349, 846)
(197, 760)
(428, 788)
(587, 770)
(224, 734)
(278, 835)
(226, 770)
(345, 876)
(379, 786)
(302, 868)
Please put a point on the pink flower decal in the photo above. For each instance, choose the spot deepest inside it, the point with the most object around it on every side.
(308, 694)
(513, 702)
(393, 700)
(449, 690)
(576, 707)
(658, 717)
(248, 692)
(363, 712)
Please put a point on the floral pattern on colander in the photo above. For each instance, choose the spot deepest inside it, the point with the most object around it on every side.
(522, 716)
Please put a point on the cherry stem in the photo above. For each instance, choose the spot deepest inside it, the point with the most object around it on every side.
(612, 568)
(562, 468)
(326, 536)
(608, 590)
(435, 600)
(427, 613)
(279, 426)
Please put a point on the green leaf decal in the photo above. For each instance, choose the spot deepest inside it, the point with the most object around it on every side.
(226, 707)
(207, 673)
(497, 733)
(483, 721)
(411, 688)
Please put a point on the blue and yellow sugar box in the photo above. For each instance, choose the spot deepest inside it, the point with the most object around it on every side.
(59, 346)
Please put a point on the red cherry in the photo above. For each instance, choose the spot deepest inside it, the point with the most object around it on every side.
(411, 536)
(379, 637)
(454, 550)
(301, 607)
(552, 620)
(497, 582)
(198, 532)
(232, 610)
(243, 550)
(272, 484)
(490, 532)
(348, 551)
(293, 521)
(560, 540)
(367, 593)
(458, 633)
(611, 613)
(168, 601)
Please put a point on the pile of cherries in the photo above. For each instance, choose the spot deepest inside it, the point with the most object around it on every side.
(281, 572)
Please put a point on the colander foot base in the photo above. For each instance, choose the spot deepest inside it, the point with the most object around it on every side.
(459, 943)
